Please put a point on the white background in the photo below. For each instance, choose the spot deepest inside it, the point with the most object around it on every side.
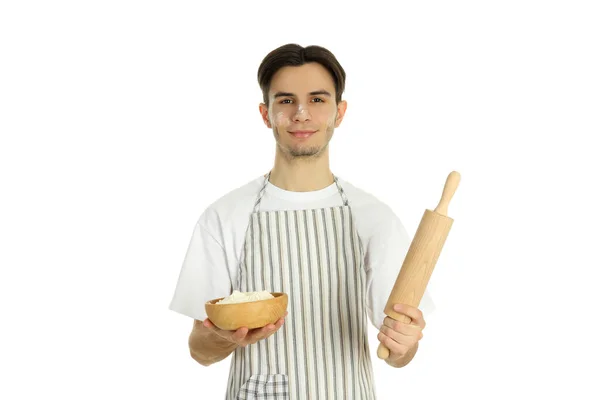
(122, 120)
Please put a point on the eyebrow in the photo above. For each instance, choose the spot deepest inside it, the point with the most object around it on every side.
(314, 93)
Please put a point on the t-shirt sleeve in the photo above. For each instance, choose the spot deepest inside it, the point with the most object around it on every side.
(204, 275)
(384, 255)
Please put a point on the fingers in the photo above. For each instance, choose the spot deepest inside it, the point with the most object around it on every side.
(399, 337)
(262, 333)
(239, 335)
(244, 336)
(392, 345)
(398, 329)
(400, 333)
(412, 312)
(236, 336)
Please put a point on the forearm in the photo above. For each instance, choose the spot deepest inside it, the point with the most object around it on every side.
(403, 361)
(208, 348)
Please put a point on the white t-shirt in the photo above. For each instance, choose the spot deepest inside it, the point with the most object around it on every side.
(210, 266)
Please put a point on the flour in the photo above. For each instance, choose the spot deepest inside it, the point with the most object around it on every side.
(243, 297)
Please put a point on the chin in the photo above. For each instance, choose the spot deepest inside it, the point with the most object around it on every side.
(305, 151)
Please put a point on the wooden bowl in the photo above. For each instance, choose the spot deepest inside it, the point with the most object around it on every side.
(251, 314)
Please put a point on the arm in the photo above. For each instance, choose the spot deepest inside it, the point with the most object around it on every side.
(387, 243)
(204, 275)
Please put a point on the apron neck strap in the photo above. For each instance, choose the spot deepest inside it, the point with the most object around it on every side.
(266, 181)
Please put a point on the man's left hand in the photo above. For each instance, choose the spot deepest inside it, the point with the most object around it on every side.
(400, 338)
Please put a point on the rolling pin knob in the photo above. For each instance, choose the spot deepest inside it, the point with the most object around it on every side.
(383, 352)
(449, 189)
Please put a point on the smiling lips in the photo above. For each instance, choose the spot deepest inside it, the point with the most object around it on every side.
(302, 134)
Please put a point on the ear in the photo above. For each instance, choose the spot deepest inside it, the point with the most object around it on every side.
(264, 112)
(341, 111)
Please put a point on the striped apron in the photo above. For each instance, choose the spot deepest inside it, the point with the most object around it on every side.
(322, 351)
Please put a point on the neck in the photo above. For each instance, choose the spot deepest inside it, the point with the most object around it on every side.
(301, 175)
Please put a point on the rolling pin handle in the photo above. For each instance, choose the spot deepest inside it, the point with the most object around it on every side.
(449, 189)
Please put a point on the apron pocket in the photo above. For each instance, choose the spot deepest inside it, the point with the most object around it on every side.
(262, 387)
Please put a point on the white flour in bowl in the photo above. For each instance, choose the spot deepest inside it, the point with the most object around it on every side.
(243, 297)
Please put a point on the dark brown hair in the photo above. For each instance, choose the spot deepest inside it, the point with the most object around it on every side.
(296, 55)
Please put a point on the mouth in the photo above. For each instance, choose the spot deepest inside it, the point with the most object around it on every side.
(302, 134)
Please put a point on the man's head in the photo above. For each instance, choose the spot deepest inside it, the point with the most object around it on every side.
(302, 91)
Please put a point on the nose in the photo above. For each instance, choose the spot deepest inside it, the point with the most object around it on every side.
(301, 114)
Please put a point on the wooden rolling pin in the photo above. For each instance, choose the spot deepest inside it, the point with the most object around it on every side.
(421, 258)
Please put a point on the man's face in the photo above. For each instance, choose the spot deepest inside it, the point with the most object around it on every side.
(302, 111)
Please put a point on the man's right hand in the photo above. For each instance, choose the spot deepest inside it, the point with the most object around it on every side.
(244, 336)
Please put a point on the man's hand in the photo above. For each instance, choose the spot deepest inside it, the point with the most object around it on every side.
(243, 336)
(402, 339)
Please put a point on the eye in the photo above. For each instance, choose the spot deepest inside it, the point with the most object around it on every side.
(284, 101)
(320, 99)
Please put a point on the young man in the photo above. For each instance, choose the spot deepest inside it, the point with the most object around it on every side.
(333, 248)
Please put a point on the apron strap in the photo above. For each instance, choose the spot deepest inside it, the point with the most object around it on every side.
(266, 181)
(341, 191)
(262, 192)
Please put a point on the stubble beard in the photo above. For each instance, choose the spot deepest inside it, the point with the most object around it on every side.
(302, 153)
